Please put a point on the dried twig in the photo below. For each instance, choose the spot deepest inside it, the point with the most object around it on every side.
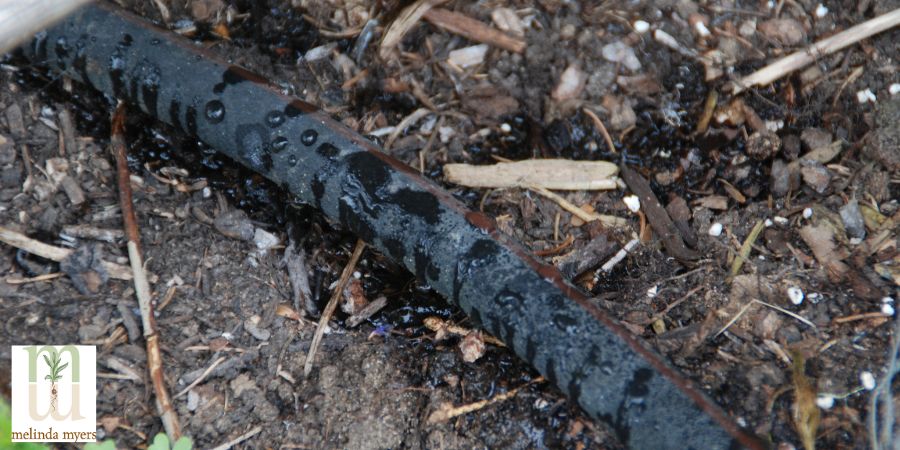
(659, 219)
(746, 247)
(35, 247)
(776, 308)
(800, 59)
(407, 19)
(39, 278)
(332, 304)
(473, 30)
(141, 286)
(370, 310)
(239, 439)
(202, 376)
(610, 221)
(599, 124)
(447, 411)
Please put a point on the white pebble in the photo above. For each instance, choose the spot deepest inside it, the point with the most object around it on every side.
(715, 229)
(632, 202)
(795, 294)
(770, 4)
(504, 127)
(701, 29)
(641, 26)
(769, 222)
(652, 291)
(781, 220)
(620, 52)
(814, 297)
(887, 300)
(894, 89)
(468, 56)
(807, 213)
(821, 10)
(357, 275)
(206, 192)
(867, 380)
(865, 96)
(887, 309)
(825, 401)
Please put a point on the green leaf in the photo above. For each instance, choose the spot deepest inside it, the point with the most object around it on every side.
(108, 444)
(47, 377)
(183, 443)
(6, 431)
(60, 369)
(160, 442)
(47, 360)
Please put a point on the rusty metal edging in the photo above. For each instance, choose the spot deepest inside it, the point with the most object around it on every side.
(458, 252)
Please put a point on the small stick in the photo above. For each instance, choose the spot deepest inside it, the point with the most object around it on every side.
(332, 304)
(448, 411)
(367, 312)
(552, 251)
(776, 308)
(802, 58)
(44, 277)
(746, 248)
(474, 30)
(201, 377)
(863, 316)
(599, 124)
(610, 221)
(239, 439)
(622, 253)
(141, 286)
(404, 22)
(35, 247)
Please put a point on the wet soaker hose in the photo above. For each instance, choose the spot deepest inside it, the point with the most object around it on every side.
(458, 252)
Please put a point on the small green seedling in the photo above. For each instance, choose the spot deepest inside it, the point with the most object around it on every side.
(160, 442)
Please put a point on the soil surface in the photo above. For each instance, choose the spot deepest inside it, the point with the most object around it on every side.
(811, 162)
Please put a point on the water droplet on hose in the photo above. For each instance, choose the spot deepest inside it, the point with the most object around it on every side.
(279, 143)
(275, 118)
(154, 41)
(606, 367)
(292, 160)
(215, 111)
(309, 137)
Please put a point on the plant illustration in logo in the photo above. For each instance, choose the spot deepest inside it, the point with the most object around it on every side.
(55, 375)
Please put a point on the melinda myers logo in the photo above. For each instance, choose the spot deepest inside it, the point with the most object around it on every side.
(54, 393)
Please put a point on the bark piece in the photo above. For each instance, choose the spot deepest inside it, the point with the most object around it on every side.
(659, 219)
(558, 174)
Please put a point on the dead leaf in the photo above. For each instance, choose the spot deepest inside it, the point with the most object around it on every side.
(806, 413)
(820, 239)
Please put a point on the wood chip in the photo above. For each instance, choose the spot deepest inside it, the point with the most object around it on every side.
(19, 240)
(407, 19)
(473, 29)
(370, 310)
(558, 174)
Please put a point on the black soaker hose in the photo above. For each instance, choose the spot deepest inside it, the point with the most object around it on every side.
(458, 252)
